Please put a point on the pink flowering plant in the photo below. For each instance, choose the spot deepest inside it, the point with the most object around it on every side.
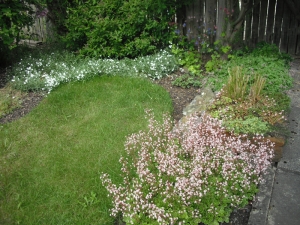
(187, 174)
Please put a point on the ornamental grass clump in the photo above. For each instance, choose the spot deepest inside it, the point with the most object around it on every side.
(245, 108)
(187, 175)
(237, 83)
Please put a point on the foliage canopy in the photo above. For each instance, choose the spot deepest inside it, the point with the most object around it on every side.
(118, 28)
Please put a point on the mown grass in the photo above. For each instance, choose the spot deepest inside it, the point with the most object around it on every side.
(51, 159)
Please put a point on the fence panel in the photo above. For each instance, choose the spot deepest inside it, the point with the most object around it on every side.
(255, 22)
(292, 34)
(220, 18)
(278, 21)
(210, 19)
(248, 27)
(262, 20)
(270, 21)
(285, 27)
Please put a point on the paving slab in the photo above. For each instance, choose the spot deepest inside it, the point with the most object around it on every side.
(284, 208)
(261, 203)
(285, 202)
(291, 151)
(278, 201)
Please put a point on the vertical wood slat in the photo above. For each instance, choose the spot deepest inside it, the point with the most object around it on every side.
(190, 21)
(278, 22)
(297, 51)
(292, 35)
(261, 23)
(193, 18)
(210, 19)
(248, 28)
(284, 29)
(239, 35)
(220, 20)
(199, 16)
(180, 19)
(262, 20)
(270, 21)
(255, 23)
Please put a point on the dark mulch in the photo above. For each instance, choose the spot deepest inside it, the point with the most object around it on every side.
(181, 98)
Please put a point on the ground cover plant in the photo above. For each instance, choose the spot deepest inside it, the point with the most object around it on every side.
(265, 60)
(251, 85)
(196, 173)
(43, 72)
(50, 160)
(244, 108)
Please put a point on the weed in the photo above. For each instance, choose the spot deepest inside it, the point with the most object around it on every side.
(89, 200)
(10, 99)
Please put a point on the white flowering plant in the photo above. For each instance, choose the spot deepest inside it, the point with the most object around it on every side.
(46, 71)
(188, 174)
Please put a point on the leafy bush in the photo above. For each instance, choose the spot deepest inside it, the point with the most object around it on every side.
(118, 28)
(190, 61)
(218, 56)
(187, 81)
(191, 174)
(14, 16)
(214, 63)
(270, 50)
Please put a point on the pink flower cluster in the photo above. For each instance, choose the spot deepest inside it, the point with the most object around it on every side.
(193, 173)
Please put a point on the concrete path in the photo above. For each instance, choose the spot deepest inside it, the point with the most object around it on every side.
(278, 202)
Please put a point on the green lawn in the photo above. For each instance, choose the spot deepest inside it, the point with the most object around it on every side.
(51, 159)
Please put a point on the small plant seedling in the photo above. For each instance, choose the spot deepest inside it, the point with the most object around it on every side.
(89, 200)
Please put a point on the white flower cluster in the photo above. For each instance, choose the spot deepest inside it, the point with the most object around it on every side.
(49, 71)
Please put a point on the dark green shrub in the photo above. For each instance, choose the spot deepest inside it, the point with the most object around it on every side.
(14, 16)
(118, 28)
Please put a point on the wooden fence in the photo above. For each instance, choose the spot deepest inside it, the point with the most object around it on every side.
(271, 21)
(41, 30)
(38, 31)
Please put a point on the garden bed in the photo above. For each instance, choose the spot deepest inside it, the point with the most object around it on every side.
(181, 98)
